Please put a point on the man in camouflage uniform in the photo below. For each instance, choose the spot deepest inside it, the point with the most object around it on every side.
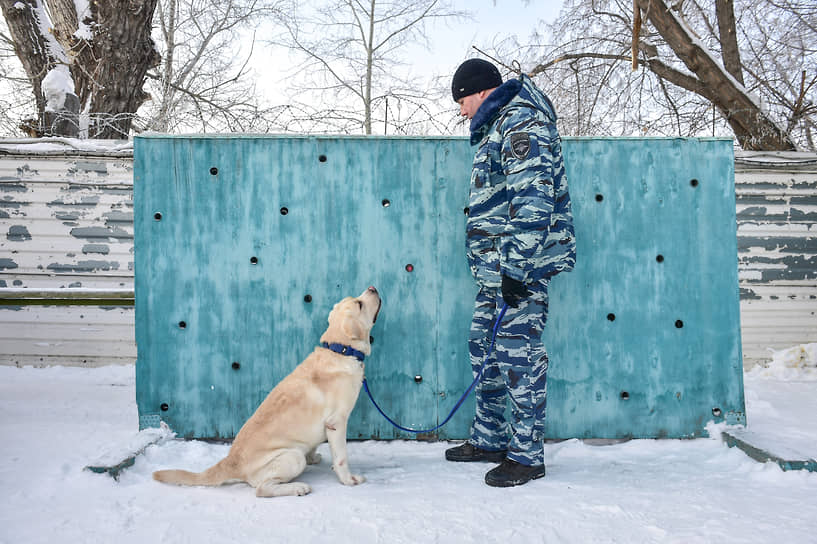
(519, 235)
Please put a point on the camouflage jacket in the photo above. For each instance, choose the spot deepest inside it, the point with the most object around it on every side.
(519, 219)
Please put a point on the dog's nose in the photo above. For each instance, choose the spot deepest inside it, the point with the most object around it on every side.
(372, 289)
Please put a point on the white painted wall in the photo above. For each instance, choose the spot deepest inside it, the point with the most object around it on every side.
(66, 225)
(777, 249)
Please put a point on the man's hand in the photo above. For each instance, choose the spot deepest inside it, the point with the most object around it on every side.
(513, 291)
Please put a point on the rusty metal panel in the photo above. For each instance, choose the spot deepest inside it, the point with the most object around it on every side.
(247, 242)
(233, 233)
(66, 223)
(777, 250)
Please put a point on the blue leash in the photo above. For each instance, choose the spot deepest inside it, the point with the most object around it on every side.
(464, 395)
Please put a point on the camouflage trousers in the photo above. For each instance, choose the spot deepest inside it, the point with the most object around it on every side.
(516, 370)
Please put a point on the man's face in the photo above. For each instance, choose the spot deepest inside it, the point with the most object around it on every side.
(471, 103)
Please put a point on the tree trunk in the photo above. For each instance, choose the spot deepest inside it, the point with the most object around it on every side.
(168, 21)
(81, 52)
(125, 52)
(753, 128)
(108, 70)
(30, 45)
(367, 106)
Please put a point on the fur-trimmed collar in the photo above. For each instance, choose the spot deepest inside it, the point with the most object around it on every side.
(489, 109)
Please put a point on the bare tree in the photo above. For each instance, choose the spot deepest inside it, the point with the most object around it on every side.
(98, 51)
(349, 53)
(203, 82)
(699, 57)
(197, 79)
(16, 100)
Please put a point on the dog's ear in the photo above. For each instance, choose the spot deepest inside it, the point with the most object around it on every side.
(352, 327)
(335, 310)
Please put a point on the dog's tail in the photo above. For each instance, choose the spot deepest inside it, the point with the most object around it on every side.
(215, 475)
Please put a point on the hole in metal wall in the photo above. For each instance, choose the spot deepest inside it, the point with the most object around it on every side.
(467, 210)
(214, 171)
(284, 211)
(308, 298)
(679, 324)
(693, 182)
(236, 365)
(717, 412)
(157, 216)
(599, 197)
(253, 260)
(164, 407)
(418, 379)
(611, 317)
(322, 158)
(182, 325)
(660, 258)
(386, 202)
(625, 395)
(409, 267)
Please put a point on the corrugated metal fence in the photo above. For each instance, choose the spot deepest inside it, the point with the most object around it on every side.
(777, 249)
(66, 253)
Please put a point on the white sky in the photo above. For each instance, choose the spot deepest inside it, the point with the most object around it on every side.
(450, 42)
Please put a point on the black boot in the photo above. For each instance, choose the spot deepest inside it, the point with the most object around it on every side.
(467, 452)
(511, 473)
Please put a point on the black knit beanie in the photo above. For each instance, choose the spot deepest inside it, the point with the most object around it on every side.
(473, 76)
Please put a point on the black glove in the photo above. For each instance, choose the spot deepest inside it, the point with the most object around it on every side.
(513, 291)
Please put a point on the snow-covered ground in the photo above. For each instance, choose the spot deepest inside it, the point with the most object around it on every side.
(54, 421)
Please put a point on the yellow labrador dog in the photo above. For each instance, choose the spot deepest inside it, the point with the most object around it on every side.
(307, 408)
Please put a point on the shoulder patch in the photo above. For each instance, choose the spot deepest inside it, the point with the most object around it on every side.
(520, 145)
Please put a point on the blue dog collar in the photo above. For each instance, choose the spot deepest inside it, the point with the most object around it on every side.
(344, 350)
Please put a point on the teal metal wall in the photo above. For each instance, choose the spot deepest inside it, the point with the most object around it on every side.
(243, 244)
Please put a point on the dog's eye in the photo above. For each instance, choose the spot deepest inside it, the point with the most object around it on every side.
(360, 304)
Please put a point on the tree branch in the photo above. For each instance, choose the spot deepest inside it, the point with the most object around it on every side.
(725, 12)
(753, 128)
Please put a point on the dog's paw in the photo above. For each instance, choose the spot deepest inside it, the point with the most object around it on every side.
(354, 479)
(299, 489)
(271, 489)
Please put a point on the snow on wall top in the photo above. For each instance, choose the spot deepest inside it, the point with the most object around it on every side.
(65, 146)
(773, 159)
